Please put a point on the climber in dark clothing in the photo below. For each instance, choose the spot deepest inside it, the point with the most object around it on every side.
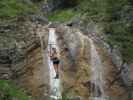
(55, 59)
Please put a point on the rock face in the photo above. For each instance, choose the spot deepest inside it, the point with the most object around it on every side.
(31, 72)
(51, 5)
(23, 59)
(5, 65)
(76, 66)
(75, 63)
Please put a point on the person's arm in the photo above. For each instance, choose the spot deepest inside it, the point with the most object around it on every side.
(51, 55)
(57, 55)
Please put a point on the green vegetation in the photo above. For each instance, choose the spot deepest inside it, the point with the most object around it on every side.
(8, 91)
(62, 15)
(13, 8)
(114, 16)
(64, 97)
(116, 19)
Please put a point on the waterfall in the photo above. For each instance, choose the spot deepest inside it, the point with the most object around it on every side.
(97, 78)
(54, 83)
(55, 91)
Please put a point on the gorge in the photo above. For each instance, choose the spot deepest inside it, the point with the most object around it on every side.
(95, 51)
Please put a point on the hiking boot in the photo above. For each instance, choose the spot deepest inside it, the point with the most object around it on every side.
(57, 76)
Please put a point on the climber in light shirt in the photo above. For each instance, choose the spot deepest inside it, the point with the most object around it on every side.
(55, 59)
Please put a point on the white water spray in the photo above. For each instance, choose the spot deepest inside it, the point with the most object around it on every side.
(54, 83)
(97, 77)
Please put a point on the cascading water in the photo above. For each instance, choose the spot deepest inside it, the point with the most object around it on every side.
(97, 78)
(54, 83)
(55, 91)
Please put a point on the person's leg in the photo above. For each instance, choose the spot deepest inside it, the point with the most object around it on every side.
(56, 68)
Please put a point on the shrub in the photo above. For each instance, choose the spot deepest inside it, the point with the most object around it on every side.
(8, 91)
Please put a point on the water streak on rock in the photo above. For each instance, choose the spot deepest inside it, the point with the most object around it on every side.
(97, 77)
